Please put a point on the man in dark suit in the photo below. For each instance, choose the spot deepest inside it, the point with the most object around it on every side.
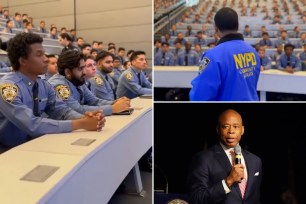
(215, 178)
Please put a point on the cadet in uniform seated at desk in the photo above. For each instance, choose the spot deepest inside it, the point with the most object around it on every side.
(266, 42)
(70, 86)
(265, 61)
(303, 58)
(289, 62)
(133, 82)
(25, 97)
(117, 71)
(187, 57)
(164, 58)
(52, 67)
(103, 85)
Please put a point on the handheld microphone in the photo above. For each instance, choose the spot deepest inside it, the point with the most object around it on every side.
(237, 150)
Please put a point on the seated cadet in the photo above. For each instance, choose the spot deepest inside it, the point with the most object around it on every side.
(188, 57)
(25, 97)
(173, 31)
(90, 70)
(198, 50)
(180, 38)
(303, 57)
(117, 71)
(265, 61)
(200, 39)
(189, 32)
(53, 33)
(66, 41)
(164, 58)
(197, 19)
(176, 52)
(69, 84)
(9, 26)
(283, 39)
(265, 42)
(103, 85)
(288, 62)
(302, 41)
(52, 67)
(247, 33)
(133, 83)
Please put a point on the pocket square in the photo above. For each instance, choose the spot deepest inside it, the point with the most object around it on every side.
(256, 174)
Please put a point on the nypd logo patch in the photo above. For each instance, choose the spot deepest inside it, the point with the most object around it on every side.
(203, 64)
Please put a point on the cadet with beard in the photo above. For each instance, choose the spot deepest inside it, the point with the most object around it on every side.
(103, 85)
(70, 85)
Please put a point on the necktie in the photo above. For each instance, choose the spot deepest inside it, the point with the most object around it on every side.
(243, 183)
(111, 85)
(189, 33)
(81, 94)
(260, 61)
(186, 59)
(162, 62)
(89, 86)
(139, 79)
(288, 61)
(265, 42)
(35, 99)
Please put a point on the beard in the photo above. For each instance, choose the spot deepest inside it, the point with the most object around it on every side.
(77, 81)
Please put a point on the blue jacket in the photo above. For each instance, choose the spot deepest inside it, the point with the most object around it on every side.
(228, 72)
(130, 86)
(80, 101)
(18, 124)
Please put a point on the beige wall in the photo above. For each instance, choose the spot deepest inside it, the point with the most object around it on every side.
(128, 23)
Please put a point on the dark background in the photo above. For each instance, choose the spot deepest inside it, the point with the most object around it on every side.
(273, 131)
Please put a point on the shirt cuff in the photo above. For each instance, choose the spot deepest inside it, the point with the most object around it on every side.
(226, 188)
(65, 126)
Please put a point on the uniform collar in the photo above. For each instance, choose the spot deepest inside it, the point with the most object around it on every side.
(135, 70)
(25, 78)
(230, 37)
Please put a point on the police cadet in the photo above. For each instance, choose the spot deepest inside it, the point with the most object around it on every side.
(117, 71)
(289, 62)
(133, 83)
(229, 71)
(164, 58)
(52, 67)
(265, 61)
(70, 85)
(188, 57)
(103, 85)
(25, 97)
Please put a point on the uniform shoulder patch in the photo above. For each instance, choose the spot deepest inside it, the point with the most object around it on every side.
(9, 92)
(129, 76)
(112, 74)
(98, 80)
(63, 91)
(204, 63)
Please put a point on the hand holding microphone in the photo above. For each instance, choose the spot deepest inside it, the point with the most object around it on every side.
(237, 172)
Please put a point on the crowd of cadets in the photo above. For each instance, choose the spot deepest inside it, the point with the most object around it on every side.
(185, 48)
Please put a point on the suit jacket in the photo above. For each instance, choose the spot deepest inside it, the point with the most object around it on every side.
(207, 170)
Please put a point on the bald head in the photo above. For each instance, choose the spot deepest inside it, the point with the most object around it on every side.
(228, 113)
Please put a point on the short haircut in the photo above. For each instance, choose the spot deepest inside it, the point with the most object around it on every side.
(116, 58)
(53, 28)
(17, 14)
(226, 19)
(265, 33)
(93, 50)
(85, 45)
(121, 48)
(289, 45)
(51, 56)
(104, 54)
(66, 35)
(125, 63)
(110, 48)
(165, 43)
(80, 38)
(100, 43)
(129, 52)
(89, 57)
(72, 30)
(19, 46)
(69, 60)
(93, 42)
(135, 55)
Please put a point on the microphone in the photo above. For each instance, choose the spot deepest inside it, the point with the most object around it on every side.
(237, 150)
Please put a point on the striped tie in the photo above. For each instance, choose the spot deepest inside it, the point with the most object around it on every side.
(243, 183)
